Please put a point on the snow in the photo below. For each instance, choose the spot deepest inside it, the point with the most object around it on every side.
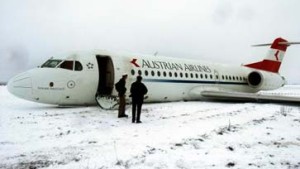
(179, 135)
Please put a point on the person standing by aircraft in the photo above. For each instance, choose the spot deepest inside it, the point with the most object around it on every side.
(120, 87)
(137, 90)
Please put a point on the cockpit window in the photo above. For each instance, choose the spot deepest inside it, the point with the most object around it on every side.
(67, 64)
(78, 66)
(51, 63)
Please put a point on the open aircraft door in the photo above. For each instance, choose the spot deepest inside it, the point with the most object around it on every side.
(104, 96)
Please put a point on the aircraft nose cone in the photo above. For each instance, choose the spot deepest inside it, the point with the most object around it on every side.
(21, 86)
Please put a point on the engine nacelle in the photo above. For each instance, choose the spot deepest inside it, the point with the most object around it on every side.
(260, 80)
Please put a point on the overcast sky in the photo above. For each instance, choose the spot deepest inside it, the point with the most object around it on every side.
(31, 31)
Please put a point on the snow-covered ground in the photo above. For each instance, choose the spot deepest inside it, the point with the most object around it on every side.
(180, 135)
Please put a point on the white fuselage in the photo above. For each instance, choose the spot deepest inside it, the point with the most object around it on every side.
(167, 79)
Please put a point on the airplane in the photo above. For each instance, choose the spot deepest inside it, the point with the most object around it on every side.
(88, 78)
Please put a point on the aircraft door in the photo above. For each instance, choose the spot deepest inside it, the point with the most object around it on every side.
(104, 96)
(106, 75)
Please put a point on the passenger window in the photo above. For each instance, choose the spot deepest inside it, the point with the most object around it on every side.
(186, 75)
(181, 75)
(78, 66)
(152, 73)
(217, 77)
(211, 76)
(146, 72)
(197, 76)
(201, 76)
(175, 74)
(226, 77)
(67, 65)
(140, 72)
(192, 75)
(165, 74)
(205, 76)
(158, 73)
(233, 78)
(229, 77)
(132, 72)
(170, 74)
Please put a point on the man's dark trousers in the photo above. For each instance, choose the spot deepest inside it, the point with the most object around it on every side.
(139, 109)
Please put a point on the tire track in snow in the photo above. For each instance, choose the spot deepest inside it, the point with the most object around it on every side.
(199, 142)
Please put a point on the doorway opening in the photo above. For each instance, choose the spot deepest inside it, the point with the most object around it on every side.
(106, 75)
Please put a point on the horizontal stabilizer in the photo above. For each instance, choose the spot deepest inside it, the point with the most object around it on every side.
(280, 43)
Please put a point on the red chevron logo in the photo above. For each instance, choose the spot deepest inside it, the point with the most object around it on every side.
(276, 55)
(134, 63)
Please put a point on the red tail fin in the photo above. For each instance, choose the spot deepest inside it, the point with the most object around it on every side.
(274, 57)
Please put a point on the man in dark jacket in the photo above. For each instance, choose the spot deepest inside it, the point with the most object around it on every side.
(137, 90)
(120, 87)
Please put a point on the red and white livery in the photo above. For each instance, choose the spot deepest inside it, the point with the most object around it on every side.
(83, 76)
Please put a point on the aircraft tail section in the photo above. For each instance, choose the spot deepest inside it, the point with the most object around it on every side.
(274, 57)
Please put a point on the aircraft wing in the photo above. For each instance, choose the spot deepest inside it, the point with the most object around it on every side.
(218, 95)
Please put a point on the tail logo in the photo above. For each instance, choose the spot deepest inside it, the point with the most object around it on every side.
(276, 55)
(272, 61)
